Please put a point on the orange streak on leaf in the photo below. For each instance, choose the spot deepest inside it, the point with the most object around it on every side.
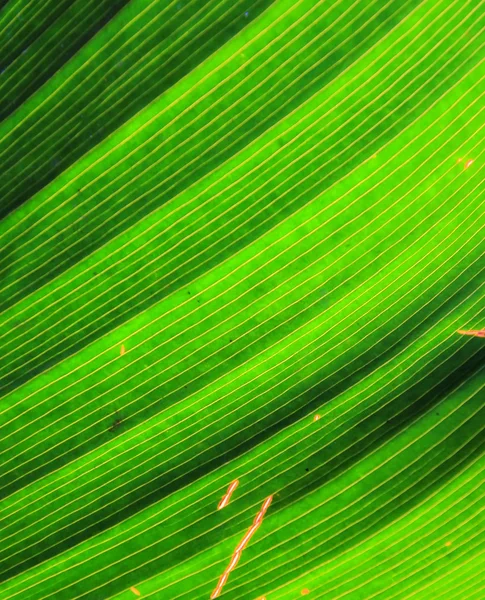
(227, 496)
(240, 547)
(135, 591)
(474, 332)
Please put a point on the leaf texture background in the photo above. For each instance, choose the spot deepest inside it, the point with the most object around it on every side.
(238, 240)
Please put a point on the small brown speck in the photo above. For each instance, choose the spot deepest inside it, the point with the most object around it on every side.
(122, 349)
(116, 424)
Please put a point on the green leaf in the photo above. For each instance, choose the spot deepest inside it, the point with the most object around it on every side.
(241, 241)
